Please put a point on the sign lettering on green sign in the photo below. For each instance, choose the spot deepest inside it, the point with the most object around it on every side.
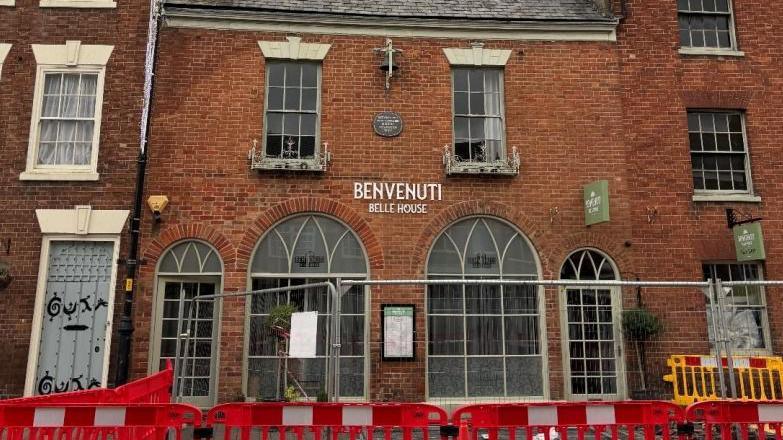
(398, 311)
(596, 202)
(749, 242)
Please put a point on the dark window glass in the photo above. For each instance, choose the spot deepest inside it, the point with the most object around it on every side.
(718, 153)
(478, 115)
(705, 24)
(291, 110)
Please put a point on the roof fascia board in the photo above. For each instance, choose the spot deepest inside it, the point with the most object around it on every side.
(390, 26)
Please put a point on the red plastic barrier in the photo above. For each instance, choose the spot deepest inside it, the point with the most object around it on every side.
(151, 389)
(76, 421)
(743, 420)
(312, 420)
(561, 420)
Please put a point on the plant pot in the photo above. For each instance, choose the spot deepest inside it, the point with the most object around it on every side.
(645, 395)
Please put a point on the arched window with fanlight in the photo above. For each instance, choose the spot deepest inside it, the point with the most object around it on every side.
(483, 340)
(591, 322)
(302, 250)
(186, 270)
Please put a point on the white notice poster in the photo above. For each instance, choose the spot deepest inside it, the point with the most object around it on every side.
(397, 332)
(304, 328)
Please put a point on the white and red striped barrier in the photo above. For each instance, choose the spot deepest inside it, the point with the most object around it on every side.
(20, 421)
(553, 420)
(314, 420)
(737, 419)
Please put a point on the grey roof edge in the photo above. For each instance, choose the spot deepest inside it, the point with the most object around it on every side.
(184, 15)
(597, 17)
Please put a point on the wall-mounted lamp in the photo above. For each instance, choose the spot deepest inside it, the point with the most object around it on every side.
(157, 204)
(389, 63)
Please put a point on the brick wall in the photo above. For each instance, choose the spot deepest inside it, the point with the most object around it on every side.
(563, 107)
(23, 25)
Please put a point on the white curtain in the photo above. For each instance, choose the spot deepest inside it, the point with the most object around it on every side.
(493, 128)
(66, 131)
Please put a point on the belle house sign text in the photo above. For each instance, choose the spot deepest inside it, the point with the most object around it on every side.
(397, 197)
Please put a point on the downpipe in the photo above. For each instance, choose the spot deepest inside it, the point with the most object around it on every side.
(125, 327)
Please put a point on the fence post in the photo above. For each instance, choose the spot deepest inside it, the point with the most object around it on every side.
(720, 294)
(334, 372)
(717, 340)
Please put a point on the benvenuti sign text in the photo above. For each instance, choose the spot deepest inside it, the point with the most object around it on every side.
(398, 197)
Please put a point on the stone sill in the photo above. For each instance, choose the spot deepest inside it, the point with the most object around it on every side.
(711, 52)
(716, 197)
(298, 165)
(482, 169)
(75, 176)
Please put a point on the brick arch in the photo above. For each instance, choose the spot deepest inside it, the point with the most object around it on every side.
(155, 249)
(538, 238)
(613, 249)
(312, 205)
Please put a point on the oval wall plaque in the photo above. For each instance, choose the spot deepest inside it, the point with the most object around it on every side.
(387, 124)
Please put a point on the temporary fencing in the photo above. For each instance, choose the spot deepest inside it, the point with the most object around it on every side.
(155, 388)
(315, 421)
(737, 420)
(23, 421)
(553, 420)
(695, 378)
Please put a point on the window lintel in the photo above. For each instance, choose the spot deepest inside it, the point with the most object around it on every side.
(294, 49)
(477, 56)
(72, 54)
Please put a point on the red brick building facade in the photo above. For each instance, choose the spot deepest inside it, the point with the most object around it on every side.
(575, 94)
(106, 51)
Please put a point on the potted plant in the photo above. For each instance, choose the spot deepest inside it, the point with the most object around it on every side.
(5, 275)
(640, 326)
(279, 324)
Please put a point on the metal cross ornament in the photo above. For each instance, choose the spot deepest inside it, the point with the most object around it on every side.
(289, 152)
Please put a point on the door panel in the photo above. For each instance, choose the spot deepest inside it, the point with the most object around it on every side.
(197, 381)
(592, 336)
(75, 317)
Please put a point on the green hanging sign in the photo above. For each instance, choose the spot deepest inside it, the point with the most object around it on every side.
(596, 202)
(749, 242)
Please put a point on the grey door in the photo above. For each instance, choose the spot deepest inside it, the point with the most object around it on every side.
(75, 317)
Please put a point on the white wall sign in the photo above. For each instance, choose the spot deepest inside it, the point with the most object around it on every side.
(304, 329)
(397, 197)
(397, 332)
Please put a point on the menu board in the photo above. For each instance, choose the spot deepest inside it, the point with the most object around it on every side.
(398, 328)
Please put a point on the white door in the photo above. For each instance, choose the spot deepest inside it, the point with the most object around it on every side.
(591, 328)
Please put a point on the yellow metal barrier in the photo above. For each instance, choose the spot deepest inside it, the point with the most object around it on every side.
(695, 378)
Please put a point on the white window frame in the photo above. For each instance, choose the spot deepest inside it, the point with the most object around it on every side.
(162, 277)
(732, 51)
(293, 50)
(77, 4)
(717, 195)
(7, 3)
(251, 275)
(4, 49)
(478, 57)
(766, 334)
(619, 342)
(71, 57)
(78, 224)
(542, 325)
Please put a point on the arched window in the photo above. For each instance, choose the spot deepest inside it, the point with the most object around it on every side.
(483, 341)
(186, 270)
(592, 320)
(301, 250)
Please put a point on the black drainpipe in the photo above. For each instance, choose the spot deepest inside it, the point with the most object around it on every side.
(125, 328)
